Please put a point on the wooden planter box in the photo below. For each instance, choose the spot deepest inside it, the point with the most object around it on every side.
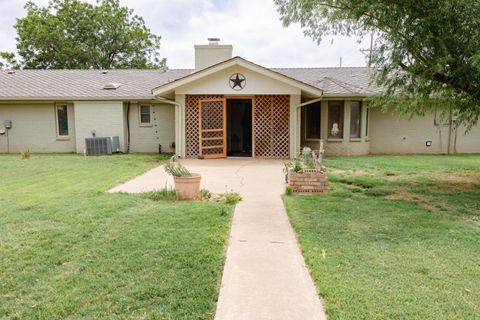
(308, 181)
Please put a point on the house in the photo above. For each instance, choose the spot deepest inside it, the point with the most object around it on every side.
(227, 106)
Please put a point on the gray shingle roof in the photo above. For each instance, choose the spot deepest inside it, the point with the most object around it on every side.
(335, 81)
(137, 84)
(83, 84)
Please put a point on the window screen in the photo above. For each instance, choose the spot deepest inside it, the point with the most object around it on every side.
(145, 114)
(335, 119)
(62, 120)
(355, 119)
(312, 121)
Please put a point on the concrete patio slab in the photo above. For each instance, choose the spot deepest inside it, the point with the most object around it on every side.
(265, 276)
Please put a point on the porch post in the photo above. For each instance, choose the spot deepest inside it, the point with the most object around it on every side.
(295, 125)
(180, 125)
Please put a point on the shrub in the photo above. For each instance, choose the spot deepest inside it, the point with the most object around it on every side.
(25, 154)
(161, 195)
(232, 197)
(204, 194)
(288, 191)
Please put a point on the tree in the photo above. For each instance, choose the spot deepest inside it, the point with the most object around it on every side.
(8, 61)
(72, 34)
(427, 52)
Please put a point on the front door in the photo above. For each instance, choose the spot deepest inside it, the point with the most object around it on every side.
(212, 128)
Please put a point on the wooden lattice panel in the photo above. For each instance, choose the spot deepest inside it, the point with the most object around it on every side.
(212, 128)
(271, 126)
(191, 123)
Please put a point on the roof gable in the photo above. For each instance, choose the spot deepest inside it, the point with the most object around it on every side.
(238, 63)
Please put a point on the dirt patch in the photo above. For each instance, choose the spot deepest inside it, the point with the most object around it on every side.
(405, 195)
(445, 186)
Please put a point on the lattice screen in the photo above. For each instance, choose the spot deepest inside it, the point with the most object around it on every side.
(271, 126)
(191, 123)
(213, 129)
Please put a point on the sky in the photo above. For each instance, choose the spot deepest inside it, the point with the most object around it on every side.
(253, 27)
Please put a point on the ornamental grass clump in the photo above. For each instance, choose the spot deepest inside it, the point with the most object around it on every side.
(176, 169)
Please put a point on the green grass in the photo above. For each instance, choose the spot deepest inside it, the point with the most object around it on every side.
(398, 237)
(68, 250)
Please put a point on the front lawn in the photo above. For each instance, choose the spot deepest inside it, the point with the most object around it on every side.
(68, 250)
(397, 238)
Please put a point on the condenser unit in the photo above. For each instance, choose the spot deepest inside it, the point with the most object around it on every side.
(102, 145)
(115, 144)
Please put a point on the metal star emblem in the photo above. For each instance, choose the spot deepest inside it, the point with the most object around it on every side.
(237, 81)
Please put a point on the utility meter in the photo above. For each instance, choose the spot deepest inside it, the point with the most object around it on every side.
(7, 124)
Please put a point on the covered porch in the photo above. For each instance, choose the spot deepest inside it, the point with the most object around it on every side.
(215, 117)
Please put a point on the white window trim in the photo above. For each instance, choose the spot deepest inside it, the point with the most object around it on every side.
(57, 129)
(140, 123)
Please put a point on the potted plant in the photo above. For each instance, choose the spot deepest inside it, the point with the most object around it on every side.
(187, 185)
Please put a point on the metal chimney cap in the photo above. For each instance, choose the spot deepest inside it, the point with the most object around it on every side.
(213, 41)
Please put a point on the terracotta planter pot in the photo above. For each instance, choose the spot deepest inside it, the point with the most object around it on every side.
(187, 188)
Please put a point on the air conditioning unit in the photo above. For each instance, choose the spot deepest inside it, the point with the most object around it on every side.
(115, 144)
(102, 145)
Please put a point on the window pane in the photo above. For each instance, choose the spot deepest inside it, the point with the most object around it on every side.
(145, 114)
(335, 119)
(355, 119)
(313, 121)
(62, 118)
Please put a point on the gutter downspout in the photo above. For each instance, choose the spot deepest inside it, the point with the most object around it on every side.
(128, 127)
(449, 133)
(310, 102)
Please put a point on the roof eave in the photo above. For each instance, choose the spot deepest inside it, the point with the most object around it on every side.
(73, 98)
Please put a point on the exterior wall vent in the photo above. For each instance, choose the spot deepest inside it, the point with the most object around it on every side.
(112, 86)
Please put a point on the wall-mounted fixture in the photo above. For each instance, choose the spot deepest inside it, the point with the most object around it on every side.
(7, 124)
(428, 143)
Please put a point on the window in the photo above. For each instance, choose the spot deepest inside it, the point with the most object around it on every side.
(145, 115)
(61, 113)
(355, 119)
(312, 121)
(335, 119)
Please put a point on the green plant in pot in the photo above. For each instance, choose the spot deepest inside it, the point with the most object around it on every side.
(187, 185)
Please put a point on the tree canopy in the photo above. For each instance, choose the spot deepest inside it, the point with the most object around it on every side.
(72, 34)
(427, 52)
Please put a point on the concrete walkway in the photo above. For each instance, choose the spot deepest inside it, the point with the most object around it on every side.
(265, 275)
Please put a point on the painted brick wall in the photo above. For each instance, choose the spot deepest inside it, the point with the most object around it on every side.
(34, 128)
(162, 130)
(106, 118)
(399, 134)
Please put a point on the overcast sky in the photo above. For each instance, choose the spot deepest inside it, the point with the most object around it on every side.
(252, 26)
